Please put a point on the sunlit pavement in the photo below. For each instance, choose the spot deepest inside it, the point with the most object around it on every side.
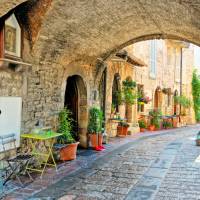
(161, 167)
(154, 165)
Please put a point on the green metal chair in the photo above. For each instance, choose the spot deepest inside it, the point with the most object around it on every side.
(13, 167)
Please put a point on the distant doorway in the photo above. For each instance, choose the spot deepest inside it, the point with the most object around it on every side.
(115, 90)
(76, 101)
(158, 98)
(102, 92)
(175, 104)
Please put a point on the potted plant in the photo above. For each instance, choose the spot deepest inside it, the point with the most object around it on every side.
(155, 119)
(167, 124)
(144, 100)
(68, 146)
(95, 128)
(128, 94)
(185, 103)
(122, 129)
(142, 125)
(198, 139)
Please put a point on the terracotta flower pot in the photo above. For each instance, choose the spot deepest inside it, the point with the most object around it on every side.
(142, 129)
(69, 152)
(94, 140)
(122, 131)
(152, 127)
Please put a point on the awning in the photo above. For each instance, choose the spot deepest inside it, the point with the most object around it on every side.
(131, 59)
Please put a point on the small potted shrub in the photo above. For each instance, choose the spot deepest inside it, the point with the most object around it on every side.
(142, 125)
(122, 129)
(167, 124)
(95, 128)
(155, 119)
(68, 146)
(198, 139)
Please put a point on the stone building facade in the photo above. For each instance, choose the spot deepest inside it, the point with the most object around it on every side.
(163, 72)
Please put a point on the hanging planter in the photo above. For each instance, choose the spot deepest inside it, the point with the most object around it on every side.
(144, 100)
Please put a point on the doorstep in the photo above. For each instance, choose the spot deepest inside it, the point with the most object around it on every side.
(85, 158)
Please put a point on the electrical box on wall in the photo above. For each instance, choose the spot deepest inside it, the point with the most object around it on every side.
(10, 118)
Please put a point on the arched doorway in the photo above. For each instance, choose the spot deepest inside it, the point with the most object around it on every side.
(115, 90)
(175, 105)
(102, 92)
(158, 98)
(71, 102)
(76, 101)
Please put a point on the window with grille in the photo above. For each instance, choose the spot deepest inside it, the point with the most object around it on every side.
(153, 58)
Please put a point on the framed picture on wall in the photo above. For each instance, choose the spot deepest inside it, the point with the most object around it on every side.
(10, 39)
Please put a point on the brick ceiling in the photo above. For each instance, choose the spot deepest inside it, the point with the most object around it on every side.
(89, 29)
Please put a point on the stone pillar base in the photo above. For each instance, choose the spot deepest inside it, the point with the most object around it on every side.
(133, 128)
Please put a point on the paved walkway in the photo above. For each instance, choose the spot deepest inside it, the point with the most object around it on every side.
(153, 165)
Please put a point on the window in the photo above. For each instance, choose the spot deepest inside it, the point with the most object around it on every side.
(12, 37)
(153, 58)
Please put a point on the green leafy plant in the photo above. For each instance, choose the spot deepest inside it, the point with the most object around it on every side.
(124, 124)
(167, 124)
(196, 94)
(95, 121)
(127, 95)
(183, 101)
(65, 126)
(155, 117)
(142, 123)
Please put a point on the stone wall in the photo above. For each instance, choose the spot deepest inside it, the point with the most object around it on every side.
(167, 73)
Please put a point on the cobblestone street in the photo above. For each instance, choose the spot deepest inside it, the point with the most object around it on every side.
(160, 167)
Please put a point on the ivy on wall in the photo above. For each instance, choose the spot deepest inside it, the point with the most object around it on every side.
(196, 94)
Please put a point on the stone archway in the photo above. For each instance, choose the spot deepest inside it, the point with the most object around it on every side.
(153, 19)
(76, 100)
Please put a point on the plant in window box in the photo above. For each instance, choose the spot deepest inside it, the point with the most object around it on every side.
(95, 128)
(122, 129)
(66, 143)
(155, 119)
(142, 125)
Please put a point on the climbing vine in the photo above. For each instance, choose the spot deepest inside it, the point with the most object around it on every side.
(196, 94)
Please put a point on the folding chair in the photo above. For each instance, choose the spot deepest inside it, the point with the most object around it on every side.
(16, 165)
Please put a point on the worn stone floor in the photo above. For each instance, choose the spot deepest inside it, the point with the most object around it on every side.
(150, 166)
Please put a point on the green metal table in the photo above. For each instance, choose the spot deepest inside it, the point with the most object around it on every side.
(46, 141)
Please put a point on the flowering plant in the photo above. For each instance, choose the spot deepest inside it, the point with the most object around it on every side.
(144, 99)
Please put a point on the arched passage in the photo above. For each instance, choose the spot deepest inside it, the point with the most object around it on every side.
(76, 102)
(121, 23)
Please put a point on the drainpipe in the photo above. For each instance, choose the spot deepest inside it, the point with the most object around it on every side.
(181, 73)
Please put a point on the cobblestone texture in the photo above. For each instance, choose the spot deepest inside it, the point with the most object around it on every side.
(160, 167)
(157, 165)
